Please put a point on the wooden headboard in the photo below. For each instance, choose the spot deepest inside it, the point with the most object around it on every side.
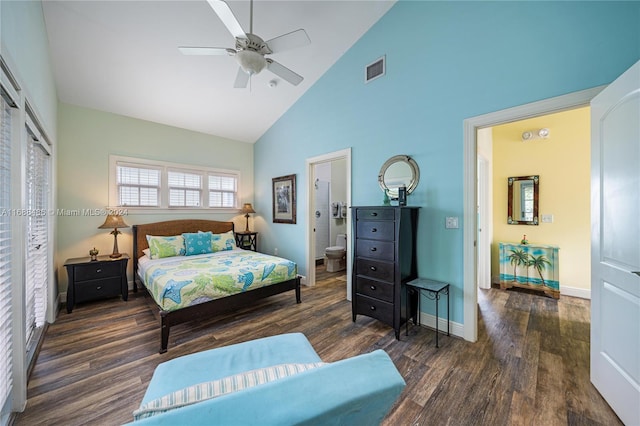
(172, 227)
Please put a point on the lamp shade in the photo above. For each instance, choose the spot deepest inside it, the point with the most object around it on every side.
(247, 208)
(113, 221)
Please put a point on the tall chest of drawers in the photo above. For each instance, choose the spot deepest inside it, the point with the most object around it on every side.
(384, 259)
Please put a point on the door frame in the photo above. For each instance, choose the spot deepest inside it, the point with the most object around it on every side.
(310, 234)
(470, 188)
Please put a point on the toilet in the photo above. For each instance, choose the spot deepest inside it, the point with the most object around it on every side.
(335, 256)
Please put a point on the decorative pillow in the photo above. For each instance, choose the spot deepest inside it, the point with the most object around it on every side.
(147, 253)
(216, 388)
(197, 243)
(221, 242)
(160, 247)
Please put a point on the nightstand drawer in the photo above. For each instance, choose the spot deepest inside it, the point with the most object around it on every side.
(375, 308)
(98, 289)
(376, 289)
(97, 271)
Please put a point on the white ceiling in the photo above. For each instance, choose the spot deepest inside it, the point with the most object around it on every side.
(122, 57)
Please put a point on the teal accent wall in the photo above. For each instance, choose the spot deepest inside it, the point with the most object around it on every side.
(446, 61)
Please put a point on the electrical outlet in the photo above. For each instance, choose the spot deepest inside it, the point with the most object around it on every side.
(451, 222)
(547, 218)
(275, 251)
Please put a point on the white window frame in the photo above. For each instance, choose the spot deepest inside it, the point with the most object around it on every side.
(165, 167)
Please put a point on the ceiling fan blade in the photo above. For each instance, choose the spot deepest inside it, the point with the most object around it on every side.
(297, 38)
(284, 72)
(227, 17)
(242, 78)
(206, 51)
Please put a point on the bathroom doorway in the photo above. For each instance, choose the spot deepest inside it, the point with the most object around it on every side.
(329, 218)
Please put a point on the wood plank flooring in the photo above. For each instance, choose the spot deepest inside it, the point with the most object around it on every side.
(530, 365)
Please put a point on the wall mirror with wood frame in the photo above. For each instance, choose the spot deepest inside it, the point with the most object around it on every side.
(522, 200)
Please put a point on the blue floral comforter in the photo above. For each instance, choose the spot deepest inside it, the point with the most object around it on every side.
(181, 281)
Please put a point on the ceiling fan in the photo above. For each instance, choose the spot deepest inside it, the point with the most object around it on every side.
(250, 50)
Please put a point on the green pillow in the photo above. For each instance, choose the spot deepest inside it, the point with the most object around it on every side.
(221, 242)
(166, 246)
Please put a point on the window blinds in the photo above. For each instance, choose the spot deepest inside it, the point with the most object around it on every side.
(37, 249)
(222, 190)
(185, 189)
(5, 249)
(138, 186)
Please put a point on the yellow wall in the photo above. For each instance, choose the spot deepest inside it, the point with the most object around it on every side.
(563, 163)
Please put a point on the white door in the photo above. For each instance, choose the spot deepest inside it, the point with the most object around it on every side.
(615, 245)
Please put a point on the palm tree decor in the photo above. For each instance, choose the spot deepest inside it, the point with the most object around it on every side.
(540, 263)
(518, 258)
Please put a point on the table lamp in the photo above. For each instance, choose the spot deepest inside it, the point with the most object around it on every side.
(114, 221)
(246, 209)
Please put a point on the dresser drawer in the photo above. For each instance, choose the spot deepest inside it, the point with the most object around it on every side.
(98, 289)
(376, 289)
(376, 230)
(376, 214)
(375, 308)
(383, 250)
(97, 271)
(383, 271)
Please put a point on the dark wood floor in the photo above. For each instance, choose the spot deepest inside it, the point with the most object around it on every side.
(529, 367)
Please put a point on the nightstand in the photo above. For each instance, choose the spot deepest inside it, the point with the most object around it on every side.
(247, 240)
(97, 279)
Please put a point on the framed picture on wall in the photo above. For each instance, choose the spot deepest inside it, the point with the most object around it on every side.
(284, 199)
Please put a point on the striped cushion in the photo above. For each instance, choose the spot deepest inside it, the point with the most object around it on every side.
(216, 388)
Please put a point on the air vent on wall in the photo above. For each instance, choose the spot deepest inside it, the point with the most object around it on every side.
(375, 69)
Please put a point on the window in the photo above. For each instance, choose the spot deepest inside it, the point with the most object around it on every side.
(138, 186)
(155, 185)
(5, 249)
(37, 222)
(222, 190)
(185, 189)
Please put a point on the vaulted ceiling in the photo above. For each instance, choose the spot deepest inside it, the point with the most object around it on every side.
(122, 57)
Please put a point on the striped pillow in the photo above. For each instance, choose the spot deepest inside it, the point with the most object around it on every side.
(216, 388)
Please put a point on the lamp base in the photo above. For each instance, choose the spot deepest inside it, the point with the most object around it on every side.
(115, 255)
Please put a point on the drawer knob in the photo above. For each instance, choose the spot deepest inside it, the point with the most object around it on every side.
(98, 271)
(373, 287)
(374, 214)
(373, 308)
(99, 287)
(373, 268)
(373, 249)
(374, 230)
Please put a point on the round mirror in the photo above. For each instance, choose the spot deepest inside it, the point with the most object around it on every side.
(397, 171)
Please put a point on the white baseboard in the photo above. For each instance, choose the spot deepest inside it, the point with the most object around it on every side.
(582, 293)
(428, 320)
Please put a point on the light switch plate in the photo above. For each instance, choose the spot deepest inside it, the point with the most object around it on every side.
(547, 218)
(451, 222)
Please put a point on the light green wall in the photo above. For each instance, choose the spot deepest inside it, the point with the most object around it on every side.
(25, 47)
(87, 137)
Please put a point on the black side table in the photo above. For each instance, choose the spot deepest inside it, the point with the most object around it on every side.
(433, 291)
(96, 279)
(247, 240)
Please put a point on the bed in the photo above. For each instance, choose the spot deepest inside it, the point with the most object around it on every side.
(177, 305)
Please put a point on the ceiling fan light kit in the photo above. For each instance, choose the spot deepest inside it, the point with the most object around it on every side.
(250, 49)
